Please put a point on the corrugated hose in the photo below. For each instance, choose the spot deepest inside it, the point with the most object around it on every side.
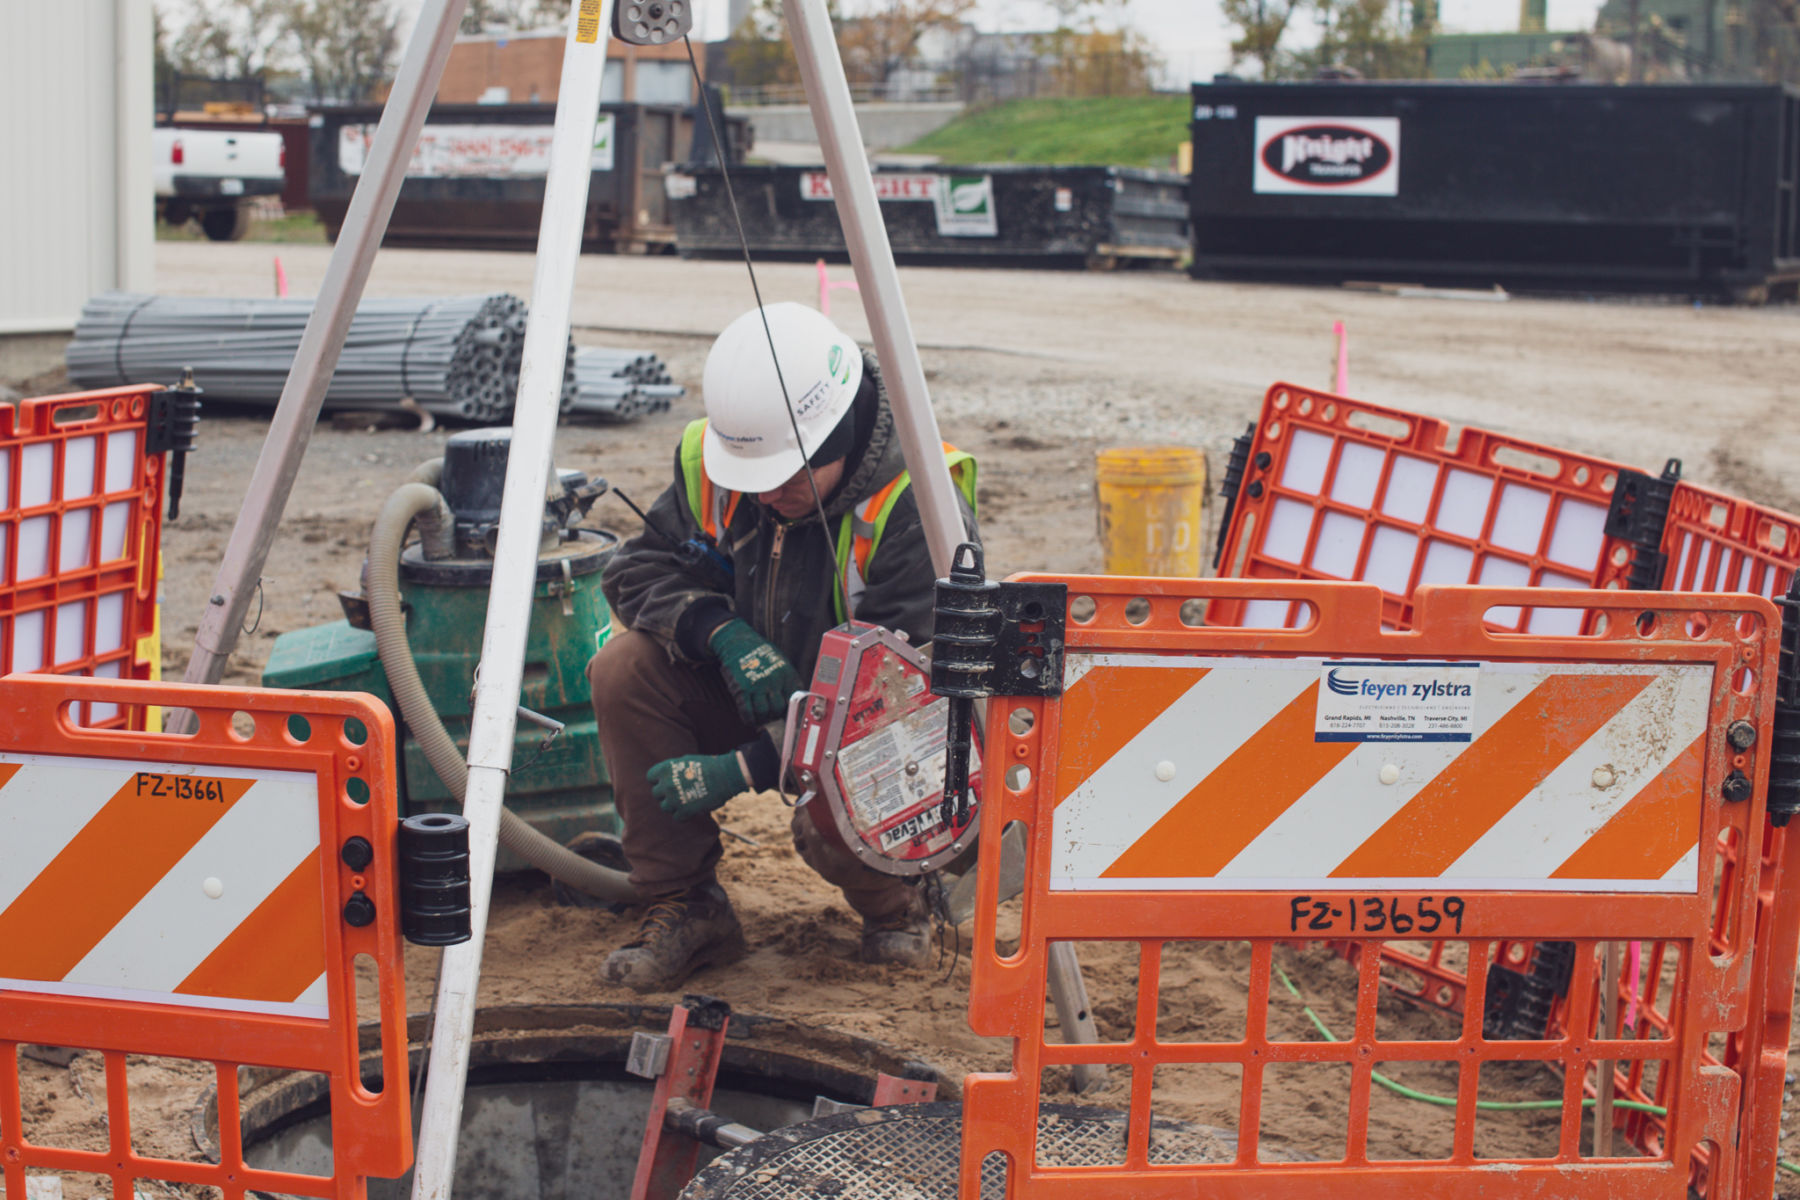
(418, 500)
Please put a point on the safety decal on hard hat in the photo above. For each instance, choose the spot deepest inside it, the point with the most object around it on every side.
(201, 890)
(1220, 773)
(813, 399)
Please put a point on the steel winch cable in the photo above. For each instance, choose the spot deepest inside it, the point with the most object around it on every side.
(841, 578)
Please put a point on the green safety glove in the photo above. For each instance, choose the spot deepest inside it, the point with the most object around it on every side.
(693, 784)
(760, 678)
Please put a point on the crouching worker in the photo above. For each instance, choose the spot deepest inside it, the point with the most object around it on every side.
(691, 702)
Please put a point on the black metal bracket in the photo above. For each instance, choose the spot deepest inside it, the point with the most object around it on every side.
(1638, 513)
(705, 1012)
(173, 427)
(1228, 487)
(575, 501)
(1028, 651)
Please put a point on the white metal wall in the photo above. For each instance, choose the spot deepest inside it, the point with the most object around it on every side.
(76, 106)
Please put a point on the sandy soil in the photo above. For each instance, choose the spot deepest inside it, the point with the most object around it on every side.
(1033, 372)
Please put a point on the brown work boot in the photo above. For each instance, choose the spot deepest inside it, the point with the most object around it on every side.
(681, 933)
(904, 939)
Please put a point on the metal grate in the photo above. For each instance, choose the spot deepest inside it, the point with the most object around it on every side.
(910, 1152)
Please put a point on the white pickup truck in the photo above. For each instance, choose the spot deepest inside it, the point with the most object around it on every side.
(211, 175)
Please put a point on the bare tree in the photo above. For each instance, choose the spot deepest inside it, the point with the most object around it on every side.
(159, 39)
(348, 46)
(1094, 51)
(878, 40)
(760, 54)
(512, 14)
(1261, 24)
(884, 36)
(1366, 39)
(232, 38)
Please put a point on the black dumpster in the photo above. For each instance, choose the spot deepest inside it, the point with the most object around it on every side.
(999, 215)
(477, 179)
(1675, 188)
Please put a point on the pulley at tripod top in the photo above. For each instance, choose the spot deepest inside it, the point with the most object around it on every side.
(867, 743)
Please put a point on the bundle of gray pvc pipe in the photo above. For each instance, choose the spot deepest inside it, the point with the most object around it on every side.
(621, 385)
(456, 357)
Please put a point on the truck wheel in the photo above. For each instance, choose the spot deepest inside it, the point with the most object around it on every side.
(225, 224)
(176, 212)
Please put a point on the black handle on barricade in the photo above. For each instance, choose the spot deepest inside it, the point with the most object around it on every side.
(965, 632)
(434, 879)
(174, 428)
(990, 639)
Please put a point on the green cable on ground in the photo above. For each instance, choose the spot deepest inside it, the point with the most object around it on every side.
(1400, 1089)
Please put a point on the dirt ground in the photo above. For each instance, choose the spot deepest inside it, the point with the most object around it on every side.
(1033, 372)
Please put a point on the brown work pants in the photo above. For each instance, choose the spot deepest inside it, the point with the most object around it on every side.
(650, 708)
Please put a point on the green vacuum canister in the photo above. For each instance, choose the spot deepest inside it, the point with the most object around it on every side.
(559, 783)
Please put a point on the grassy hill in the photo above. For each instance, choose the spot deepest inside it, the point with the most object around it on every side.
(1121, 131)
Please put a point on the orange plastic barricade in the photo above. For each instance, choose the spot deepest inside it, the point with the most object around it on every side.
(1334, 488)
(201, 897)
(80, 527)
(1714, 542)
(1454, 785)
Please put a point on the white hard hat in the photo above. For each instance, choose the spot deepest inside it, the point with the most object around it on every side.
(749, 444)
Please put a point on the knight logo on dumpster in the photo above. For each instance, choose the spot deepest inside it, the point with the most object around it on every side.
(1328, 155)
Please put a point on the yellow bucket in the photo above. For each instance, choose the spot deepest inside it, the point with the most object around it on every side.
(1149, 499)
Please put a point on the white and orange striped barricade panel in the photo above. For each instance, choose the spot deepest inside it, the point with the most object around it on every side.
(80, 528)
(210, 897)
(1336, 488)
(1448, 790)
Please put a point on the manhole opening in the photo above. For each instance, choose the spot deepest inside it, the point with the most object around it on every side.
(554, 1115)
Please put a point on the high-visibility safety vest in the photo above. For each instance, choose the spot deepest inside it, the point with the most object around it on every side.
(858, 535)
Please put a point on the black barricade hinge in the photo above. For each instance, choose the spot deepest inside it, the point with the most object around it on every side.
(965, 632)
(1639, 510)
(1028, 654)
(173, 428)
(1784, 748)
(990, 639)
(434, 879)
(1228, 487)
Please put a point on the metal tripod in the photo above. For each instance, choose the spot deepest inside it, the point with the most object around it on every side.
(534, 429)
